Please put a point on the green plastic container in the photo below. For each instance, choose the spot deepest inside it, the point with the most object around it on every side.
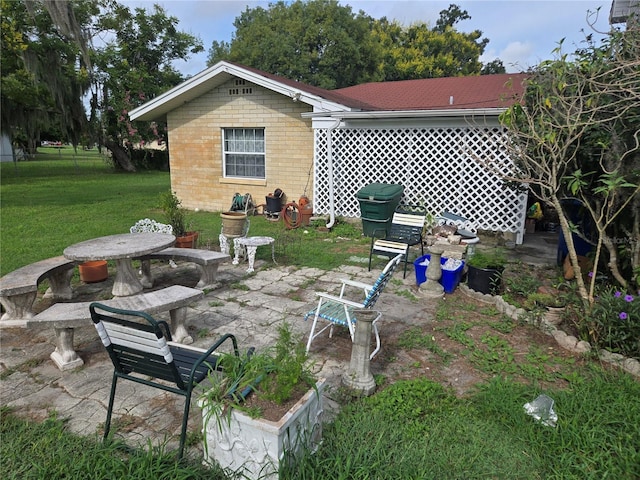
(377, 202)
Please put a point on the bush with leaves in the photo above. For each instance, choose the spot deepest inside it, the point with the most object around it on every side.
(613, 322)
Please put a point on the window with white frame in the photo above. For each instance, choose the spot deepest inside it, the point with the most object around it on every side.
(244, 152)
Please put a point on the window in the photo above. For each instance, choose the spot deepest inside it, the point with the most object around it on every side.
(243, 150)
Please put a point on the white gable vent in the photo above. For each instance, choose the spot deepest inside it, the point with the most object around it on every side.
(240, 88)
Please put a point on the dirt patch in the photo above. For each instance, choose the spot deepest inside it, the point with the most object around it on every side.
(468, 343)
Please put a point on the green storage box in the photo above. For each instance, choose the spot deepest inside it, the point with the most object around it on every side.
(377, 202)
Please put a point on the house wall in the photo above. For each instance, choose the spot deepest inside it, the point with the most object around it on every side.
(195, 146)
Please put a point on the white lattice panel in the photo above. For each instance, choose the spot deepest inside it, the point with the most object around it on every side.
(434, 166)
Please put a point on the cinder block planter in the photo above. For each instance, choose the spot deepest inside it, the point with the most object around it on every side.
(254, 447)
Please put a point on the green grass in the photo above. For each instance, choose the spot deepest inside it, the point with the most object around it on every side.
(31, 450)
(49, 204)
(419, 430)
(414, 429)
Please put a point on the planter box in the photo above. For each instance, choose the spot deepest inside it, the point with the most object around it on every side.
(449, 280)
(254, 447)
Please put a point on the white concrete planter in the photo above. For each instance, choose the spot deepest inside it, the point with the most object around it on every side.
(254, 447)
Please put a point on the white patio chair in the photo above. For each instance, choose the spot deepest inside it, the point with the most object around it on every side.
(407, 225)
(340, 310)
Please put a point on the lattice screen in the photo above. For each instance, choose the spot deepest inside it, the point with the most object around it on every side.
(434, 166)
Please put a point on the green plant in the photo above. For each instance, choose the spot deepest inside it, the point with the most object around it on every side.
(175, 214)
(493, 258)
(521, 282)
(613, 322)
(278, 375)
(544, 300)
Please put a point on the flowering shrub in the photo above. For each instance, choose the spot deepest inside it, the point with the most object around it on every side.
(614, 322)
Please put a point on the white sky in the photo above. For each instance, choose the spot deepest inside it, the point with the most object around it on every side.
(521, 33)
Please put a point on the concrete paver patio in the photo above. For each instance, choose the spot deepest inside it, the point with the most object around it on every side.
(249, 306)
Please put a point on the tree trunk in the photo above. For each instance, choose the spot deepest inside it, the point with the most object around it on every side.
(573, 256)
(120, 157)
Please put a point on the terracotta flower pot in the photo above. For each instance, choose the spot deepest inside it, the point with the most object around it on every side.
(94, 271)
(185, 241)
(195, 234)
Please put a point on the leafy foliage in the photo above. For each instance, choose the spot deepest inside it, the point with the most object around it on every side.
(48, 70)
(274, 375)
(613, 322)
(324, 44)
(318, 42)
(175, 214)
(575, 133)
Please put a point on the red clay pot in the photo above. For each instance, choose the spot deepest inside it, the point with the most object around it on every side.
(93, 271)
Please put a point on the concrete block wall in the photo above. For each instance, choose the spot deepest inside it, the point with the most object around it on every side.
(195, 145)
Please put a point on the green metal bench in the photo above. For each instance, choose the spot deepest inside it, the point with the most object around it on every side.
(142, 351)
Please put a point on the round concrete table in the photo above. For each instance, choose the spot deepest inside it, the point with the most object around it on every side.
(251, 244)
(121, 248)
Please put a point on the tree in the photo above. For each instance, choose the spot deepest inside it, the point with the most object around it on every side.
(44, 75)
(324, 44)
(421, 52)
(51, 66)
(577, 131)
(493, 67)
(132, 68)
(318, 42)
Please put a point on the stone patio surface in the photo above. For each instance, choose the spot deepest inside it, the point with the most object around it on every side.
(249, 306)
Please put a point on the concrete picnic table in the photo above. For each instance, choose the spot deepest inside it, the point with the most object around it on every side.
(122, 248)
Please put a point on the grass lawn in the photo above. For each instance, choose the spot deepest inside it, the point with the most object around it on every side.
(411, 429)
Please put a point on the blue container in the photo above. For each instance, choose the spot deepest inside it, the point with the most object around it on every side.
(450, 278)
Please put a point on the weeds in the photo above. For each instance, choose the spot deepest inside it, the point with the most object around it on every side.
(414, 338)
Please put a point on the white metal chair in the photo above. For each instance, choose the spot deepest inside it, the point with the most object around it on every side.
(340, 310)
(147, 225)
(407, 225)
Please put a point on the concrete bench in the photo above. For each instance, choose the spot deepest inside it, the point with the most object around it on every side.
(64, 317)
(207, 261)
(18, 289)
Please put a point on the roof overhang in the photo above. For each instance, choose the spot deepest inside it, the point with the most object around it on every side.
(440, 113)
(214, 77)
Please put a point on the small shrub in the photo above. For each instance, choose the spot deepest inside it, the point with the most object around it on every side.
(613, 323)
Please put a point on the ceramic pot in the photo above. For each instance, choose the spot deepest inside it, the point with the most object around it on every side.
(195, 236)
(233, 223)
(554, 315)
(93, 271)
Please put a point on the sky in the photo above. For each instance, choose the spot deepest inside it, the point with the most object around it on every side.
(521, 33)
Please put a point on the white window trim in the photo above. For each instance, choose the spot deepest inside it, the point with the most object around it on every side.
(225, 152)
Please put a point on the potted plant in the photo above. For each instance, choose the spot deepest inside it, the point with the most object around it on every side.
(262, 409)
(552, 304)
(485, 269)
(176, 217)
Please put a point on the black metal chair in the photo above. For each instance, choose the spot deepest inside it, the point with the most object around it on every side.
(406, 229)
(142, 351)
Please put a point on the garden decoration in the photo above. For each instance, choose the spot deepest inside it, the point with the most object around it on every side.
(432, 288)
